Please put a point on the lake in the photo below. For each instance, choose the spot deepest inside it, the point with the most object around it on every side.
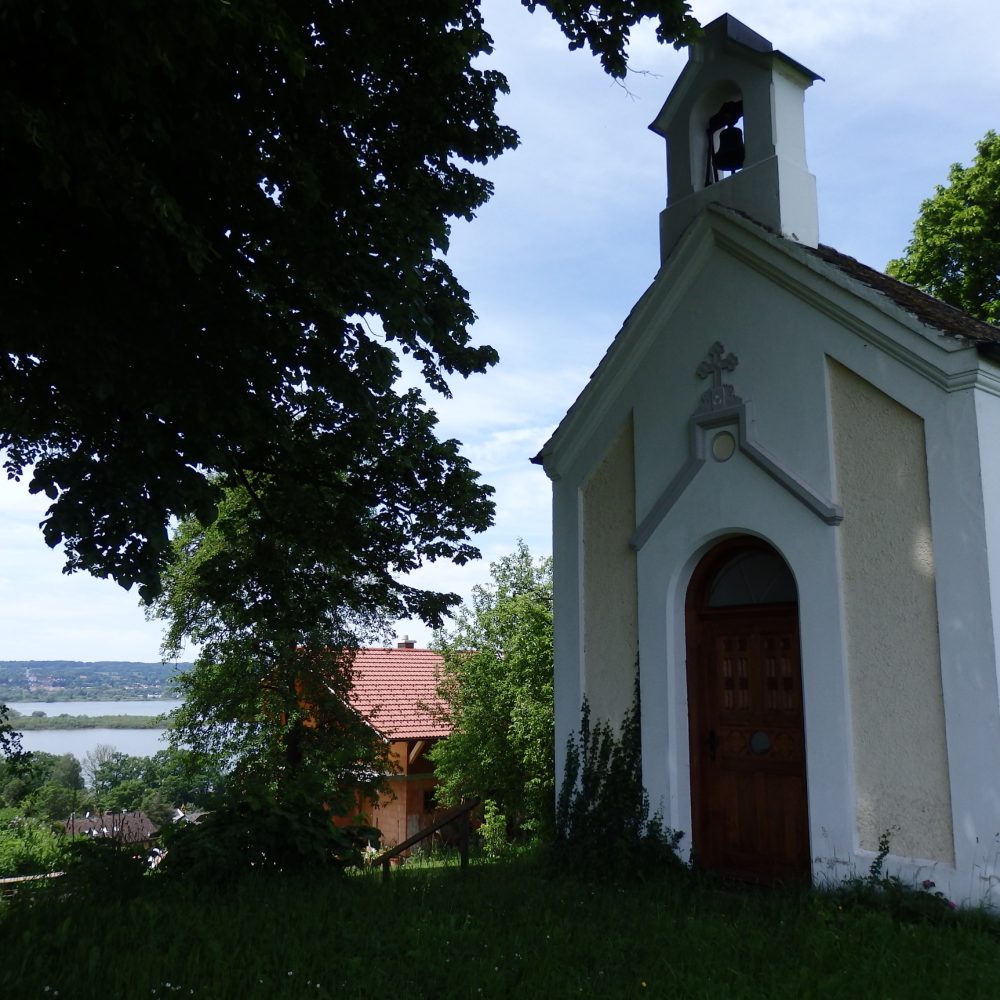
(136, 742)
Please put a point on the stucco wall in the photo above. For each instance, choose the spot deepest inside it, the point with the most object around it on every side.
(894, 667)
(610, 601)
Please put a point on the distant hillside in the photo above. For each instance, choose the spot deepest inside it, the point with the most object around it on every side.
(78, 680)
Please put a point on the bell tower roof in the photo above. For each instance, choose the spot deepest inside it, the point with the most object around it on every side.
(736, 77)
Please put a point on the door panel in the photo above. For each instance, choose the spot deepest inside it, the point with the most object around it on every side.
(748, 743)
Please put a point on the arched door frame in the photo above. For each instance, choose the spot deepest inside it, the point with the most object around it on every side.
(701, 622)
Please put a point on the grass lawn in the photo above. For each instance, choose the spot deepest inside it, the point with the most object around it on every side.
(503, 930)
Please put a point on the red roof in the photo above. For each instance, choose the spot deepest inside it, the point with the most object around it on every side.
(396, 691)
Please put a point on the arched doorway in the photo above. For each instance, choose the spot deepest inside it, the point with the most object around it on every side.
(745, 714)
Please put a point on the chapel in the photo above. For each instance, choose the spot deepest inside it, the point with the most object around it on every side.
(778, 499)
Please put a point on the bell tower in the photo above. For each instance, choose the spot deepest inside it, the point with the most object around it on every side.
(735, 130)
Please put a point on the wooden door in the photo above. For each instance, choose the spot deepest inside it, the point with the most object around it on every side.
(748, 776)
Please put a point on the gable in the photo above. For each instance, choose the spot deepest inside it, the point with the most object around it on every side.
(728, 273)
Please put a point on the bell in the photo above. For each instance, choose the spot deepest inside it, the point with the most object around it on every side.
(730, 154)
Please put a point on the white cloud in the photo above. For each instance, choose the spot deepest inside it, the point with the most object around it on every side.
(45, 614)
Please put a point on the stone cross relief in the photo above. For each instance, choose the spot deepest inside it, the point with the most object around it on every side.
(722, 394)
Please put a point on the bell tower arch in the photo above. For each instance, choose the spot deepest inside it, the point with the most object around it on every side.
(734, 124)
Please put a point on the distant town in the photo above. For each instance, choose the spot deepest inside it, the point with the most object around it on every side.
(76, 680)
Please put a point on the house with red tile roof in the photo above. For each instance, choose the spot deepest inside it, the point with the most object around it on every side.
(395, 690)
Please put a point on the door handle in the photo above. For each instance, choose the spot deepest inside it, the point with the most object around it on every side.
(712, 744)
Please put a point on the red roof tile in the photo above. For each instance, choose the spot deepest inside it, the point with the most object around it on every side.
(396, 691)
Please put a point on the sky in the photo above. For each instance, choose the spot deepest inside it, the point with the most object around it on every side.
(569, 242)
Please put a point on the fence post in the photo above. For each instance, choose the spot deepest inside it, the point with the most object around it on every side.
(463, 839)
(459, 815)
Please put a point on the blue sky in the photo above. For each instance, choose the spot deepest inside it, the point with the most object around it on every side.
(555, 261)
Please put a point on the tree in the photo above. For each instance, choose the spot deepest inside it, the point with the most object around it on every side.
(29, 846)
(225, 220)
(97, 762)
(10, 739)
(182, 778)
(55, 802)
(117, 770)
(956, 239)
(497, 683)
(156, 806)
(66, 772)
(267, 697)
(42, 784)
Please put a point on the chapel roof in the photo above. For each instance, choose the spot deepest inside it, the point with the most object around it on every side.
(737, 31)
(928, 309)
(396, 691)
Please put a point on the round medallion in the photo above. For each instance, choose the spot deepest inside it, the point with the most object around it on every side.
(723, 446)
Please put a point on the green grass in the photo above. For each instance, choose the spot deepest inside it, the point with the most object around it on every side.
(503, 930)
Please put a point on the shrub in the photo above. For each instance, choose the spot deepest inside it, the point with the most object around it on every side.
(889, 893)
(493, 830)
(29, 846)
(603, 825)
(262, 831)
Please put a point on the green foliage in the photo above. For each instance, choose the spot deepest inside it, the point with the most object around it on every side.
(54, 802)
(51, 787)
(67, 772)
(10, 739)
(264, 831)
(955, 246)
(126, 796)
(123, 782)
(29, 846)
(103, 867)
(43, 785)
(267, 698)
(21, 780)
(603, 826)
(264, 191)
(39, 720)
(889, 894)
(181, 777)
(243, 183)
(497, 682)
(155, 804)
(14, 790)
(602, 26)
(493, 830)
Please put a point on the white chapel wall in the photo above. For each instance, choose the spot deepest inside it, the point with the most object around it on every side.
(610, 600)
(894, 667)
